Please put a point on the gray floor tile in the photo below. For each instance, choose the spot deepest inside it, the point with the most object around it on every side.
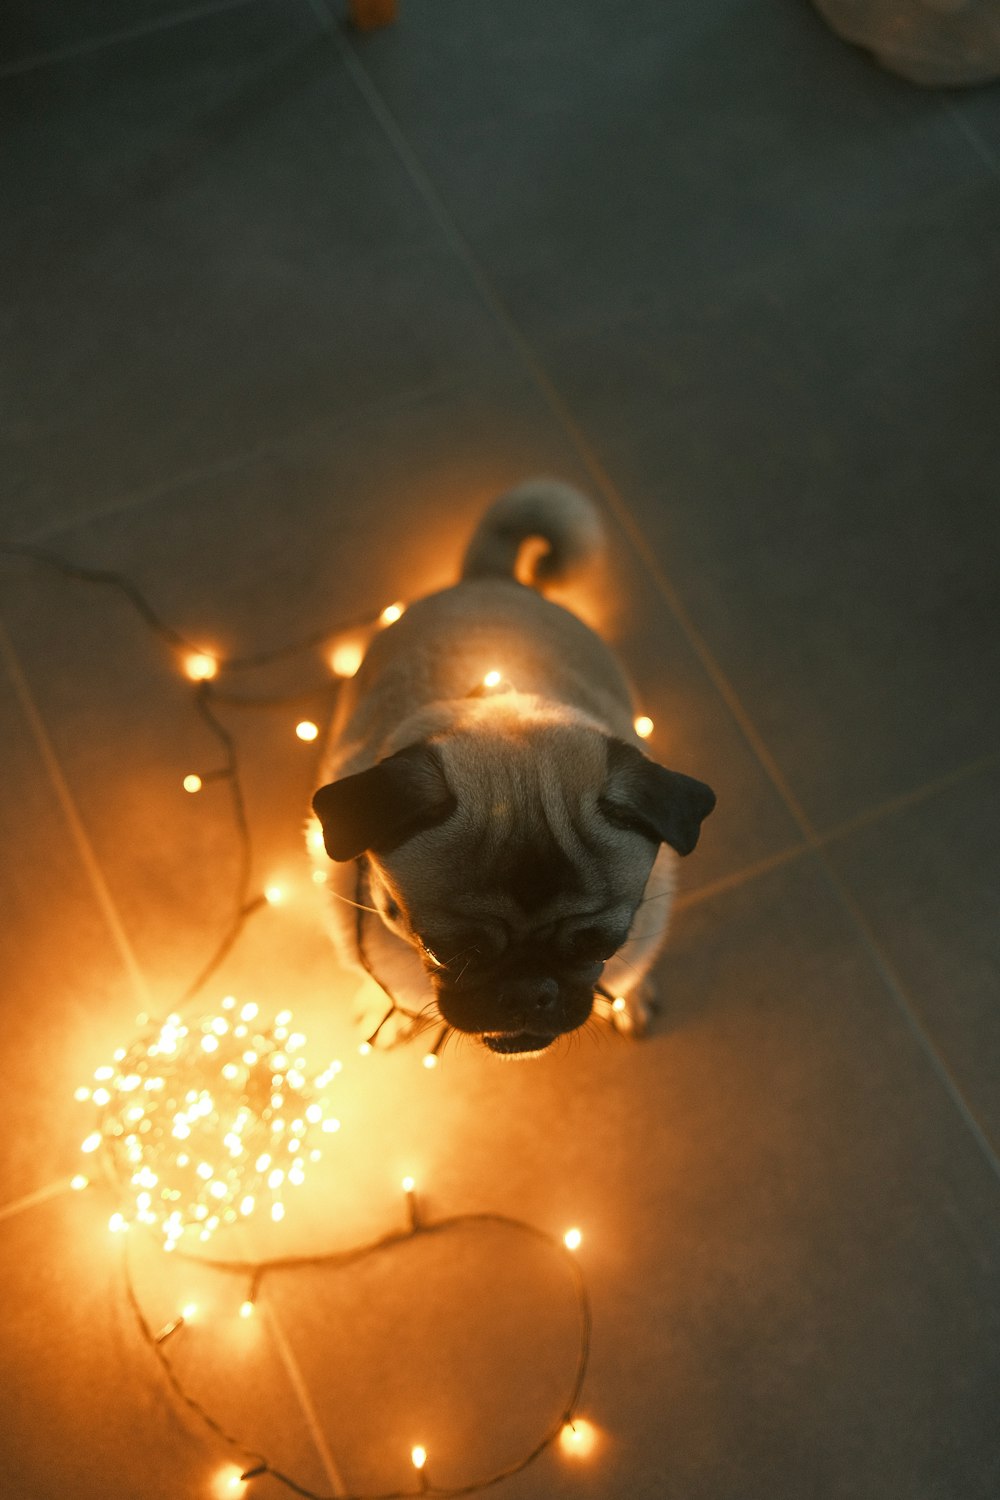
(214, 248)
(120, 721)
(928, 883)
(977, 113)
(809, 1195)
(67, 987)
(29, 33)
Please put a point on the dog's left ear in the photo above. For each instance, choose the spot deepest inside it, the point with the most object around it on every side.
(662, 804)
(382, 807)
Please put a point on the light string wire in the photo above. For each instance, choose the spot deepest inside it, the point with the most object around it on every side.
(205, 696)
(418, 1019)
(418, 1227)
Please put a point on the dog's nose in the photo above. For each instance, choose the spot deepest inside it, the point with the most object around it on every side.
(536, 1000)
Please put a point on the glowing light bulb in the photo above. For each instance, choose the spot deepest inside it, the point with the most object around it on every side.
(572, 1239)
(418, 1456)
(314, 838)
(391, 613)
(189, 1311)
(363, 1051)
(408, 1184)
(277, 1212)
(193, 783)
(619, 1003)
(117, 1224)
(200, 667)
(246, 1310)
(578, 1438)
(430, 1060)
(92, 1142)
(274, 895)
(307, 730)
(79, 1182)
(643, 726)
(346, 658)
(492, 679)
(229, 1482)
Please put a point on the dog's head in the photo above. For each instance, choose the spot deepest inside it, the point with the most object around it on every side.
(513, 854)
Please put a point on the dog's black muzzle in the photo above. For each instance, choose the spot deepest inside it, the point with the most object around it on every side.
(519, 1012)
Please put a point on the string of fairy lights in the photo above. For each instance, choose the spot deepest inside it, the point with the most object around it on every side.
(203, 1121)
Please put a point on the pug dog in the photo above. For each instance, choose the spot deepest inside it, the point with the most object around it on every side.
(487, 796)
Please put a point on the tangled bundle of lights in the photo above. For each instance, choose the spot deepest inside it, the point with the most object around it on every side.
(203, 1122)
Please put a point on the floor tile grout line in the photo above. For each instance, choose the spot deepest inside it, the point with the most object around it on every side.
(867, 819)
(907, 1010)
(81, 839)
(32, 1200)
(564, 416)
(304, 1399)
(980, 146)
(736, 879)
(301, 440)
(88, 45)
(905, 800)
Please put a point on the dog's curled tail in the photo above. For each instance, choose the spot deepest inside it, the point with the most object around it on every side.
(547, 510)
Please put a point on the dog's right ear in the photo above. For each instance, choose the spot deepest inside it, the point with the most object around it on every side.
(381, 808)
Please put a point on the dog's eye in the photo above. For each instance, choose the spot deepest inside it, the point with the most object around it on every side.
(592, 944)
(628, 821)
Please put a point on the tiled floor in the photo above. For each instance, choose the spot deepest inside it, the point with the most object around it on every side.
(282, 308)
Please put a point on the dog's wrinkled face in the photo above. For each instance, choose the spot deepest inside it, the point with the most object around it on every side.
(513, 855)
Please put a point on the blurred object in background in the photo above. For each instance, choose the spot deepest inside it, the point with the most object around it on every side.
(369, 15)
(933, 42)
